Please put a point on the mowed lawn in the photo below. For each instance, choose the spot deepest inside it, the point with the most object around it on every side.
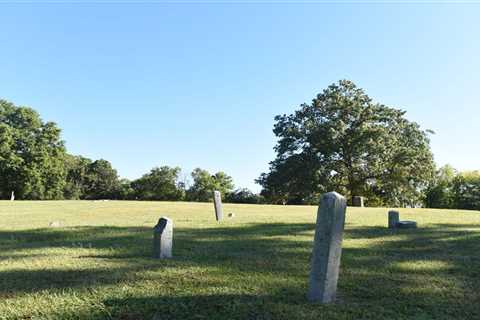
(98, 264)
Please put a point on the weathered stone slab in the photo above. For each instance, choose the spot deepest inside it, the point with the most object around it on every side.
(163, 238)
(357, 201)
(327, 248)
(231, 215)
(406, 225)
(217, 203)
(12, 197)
(393, 219)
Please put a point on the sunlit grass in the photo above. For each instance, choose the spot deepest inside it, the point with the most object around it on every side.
(97, 265)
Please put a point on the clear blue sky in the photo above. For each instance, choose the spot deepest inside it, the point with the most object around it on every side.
(198, 85)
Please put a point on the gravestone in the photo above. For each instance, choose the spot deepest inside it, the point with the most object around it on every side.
(12, 197)
(162, 238)
(231, 215)
(55, 224)
(357, 201)
(327, 248)
(393, 219)
(406, 224)
(217, 203)
(395, 223)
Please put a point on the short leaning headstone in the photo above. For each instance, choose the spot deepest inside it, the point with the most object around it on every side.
(162, 238)
(12, 197)
(217, 203)
(357, 201)
(393, 219)
(327, 248)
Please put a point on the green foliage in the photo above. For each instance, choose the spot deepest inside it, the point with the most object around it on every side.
(34, 164)
(204, 184)
(441, 193)
(32, 155)
(453, 189)
(76, 179)
(101, 181)
(243, 195)
(467, 190)
(343, 141)
(126, 190)
(160, 184)
(87, 179)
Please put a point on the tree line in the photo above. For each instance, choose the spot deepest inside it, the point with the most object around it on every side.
(452, 189)
(91, 180)
(35, 165)
(341, 141)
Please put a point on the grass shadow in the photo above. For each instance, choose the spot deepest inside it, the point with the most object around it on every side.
(420, 272)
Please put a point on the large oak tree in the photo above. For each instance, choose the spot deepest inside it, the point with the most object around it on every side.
(344, 141)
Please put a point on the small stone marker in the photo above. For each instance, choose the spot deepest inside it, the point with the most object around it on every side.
(406, 225)
(217, 202)
(327, 248)
(393, 219)
(231, 215)
(162, 238)
(55, 224)
(357, 201)
(12, 197)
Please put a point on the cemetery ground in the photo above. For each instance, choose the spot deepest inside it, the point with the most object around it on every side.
(94, 262)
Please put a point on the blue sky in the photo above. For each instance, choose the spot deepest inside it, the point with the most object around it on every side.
(198, 85)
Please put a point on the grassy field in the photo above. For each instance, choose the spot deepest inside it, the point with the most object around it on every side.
(97, 265)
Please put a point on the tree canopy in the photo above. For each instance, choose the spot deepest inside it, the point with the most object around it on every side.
(440, 193)
(344, 141)
(159, 184)
(32, 155)
(101, 181)
(341, 141)
(205, 183)
(467, 190)
(453, 189)
(243, 195)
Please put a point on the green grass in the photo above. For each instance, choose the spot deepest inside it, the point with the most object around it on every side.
(254, 266)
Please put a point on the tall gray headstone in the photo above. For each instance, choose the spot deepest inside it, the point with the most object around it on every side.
(162, 238)
(357, 201)
(393, 219)
(12, 197)
(217, 202)
(327, 248)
